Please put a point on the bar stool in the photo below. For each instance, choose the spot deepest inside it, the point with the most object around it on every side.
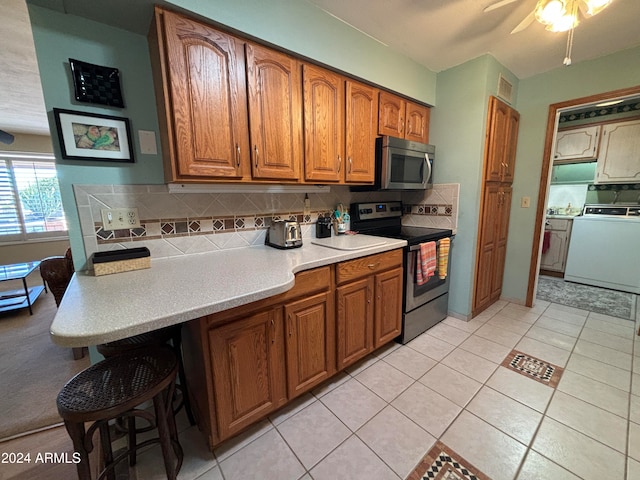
(169, 335)
(113, 388)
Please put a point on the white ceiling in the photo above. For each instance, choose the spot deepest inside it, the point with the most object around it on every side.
(438, 34)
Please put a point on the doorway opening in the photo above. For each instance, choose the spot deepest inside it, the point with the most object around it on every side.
(555, 110)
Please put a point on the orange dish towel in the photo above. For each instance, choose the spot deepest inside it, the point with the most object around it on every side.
(425, 262)
(443, 257)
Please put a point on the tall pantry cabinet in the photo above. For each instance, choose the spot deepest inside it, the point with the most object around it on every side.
(495, 207)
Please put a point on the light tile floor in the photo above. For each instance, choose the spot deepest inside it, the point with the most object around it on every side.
(379, 418)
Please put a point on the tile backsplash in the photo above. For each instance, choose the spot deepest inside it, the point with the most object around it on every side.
(173, 224)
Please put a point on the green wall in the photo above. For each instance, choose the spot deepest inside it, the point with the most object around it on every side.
(59, 37)
(458, 126)
(604, 74)
(303, 28)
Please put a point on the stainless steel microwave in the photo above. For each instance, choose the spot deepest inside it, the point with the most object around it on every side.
(403, 165)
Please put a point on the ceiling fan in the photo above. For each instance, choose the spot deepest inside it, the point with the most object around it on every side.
(556, 15)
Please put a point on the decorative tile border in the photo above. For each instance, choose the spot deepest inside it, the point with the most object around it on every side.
(442, 463)
(429, 209)
(534, 368)
(153, 229)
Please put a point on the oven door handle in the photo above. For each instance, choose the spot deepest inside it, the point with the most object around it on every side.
(413, 248)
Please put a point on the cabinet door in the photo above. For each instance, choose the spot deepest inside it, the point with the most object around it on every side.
(310, 339)
(324, 157)
(388, 306)
(417, 123)
(619, 160)
(275, 113)
(207, 99)
(502, 139)
(354, 320)
(513, 124)
(391, 115)
(577, 144)
(555, 258)
(247, 360)
(502, 232)
(361, 131)
(487, 247)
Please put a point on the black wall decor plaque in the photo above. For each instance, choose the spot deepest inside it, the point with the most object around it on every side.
(96, 84)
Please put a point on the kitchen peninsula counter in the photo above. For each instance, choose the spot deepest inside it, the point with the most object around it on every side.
(102, 309)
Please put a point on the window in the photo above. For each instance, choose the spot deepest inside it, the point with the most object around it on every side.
(30, 203)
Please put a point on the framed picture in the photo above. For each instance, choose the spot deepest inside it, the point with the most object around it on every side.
(89, 136)
(96, 84)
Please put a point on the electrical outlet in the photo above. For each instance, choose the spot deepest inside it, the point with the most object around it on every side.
(525, 202)
(120, 218)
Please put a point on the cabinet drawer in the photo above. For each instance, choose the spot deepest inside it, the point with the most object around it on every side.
(361, 267)
(558, 224)
(307, 282)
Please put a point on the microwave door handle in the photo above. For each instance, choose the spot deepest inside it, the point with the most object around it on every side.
(428, 163)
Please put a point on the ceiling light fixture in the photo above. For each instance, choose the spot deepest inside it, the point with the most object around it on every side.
(562, 16)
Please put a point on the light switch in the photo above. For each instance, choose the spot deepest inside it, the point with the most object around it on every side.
(525, 202)
(147, 142)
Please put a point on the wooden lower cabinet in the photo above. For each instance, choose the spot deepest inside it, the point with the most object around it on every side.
(248, 367)
(369, 304)
(355, 321)
(242, 364)
(310, 340)
(387, 306)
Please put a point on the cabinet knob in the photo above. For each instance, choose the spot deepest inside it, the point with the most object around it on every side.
(373, 266)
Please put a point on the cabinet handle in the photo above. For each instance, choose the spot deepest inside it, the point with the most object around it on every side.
(289, 322)
(273, 333)
(237, 155)
(255, 149)
(373, 266)
(350, 164)
(401, 124)
(339, 163)
(368, 295)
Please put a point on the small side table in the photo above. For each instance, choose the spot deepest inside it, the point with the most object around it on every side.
(16, 299)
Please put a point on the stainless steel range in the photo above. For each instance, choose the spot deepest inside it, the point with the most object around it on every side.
(423, 305)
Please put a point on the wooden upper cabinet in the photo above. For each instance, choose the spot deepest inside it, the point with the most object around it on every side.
(324, 115)
(619, 160)
(417, 123)
(403, 119)
(577, 144)
(391, 115)
(502, 140)
(206, 105)
(275, 113)
(361, 131)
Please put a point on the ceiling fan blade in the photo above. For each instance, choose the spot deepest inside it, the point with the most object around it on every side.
(528, 20)
(6, 137)
(497, 5)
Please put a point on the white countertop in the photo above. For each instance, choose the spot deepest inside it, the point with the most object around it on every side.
(111, 307)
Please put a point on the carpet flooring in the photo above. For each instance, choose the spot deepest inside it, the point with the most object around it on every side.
(32, 368)
(586, 297)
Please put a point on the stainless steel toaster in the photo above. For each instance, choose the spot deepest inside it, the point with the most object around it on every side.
(284, 234)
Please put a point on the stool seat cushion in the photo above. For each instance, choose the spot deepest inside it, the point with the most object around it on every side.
(117, 384)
